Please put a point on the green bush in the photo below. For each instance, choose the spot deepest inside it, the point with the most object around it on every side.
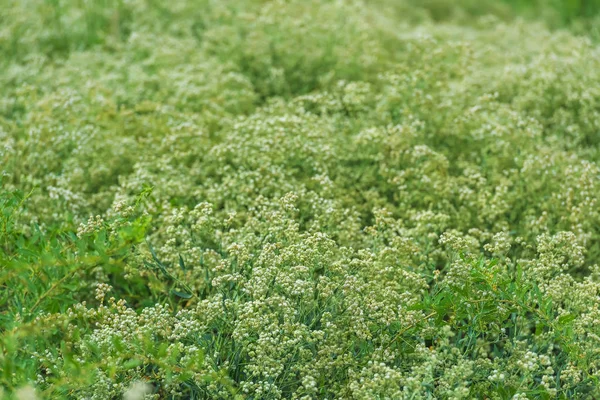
(299, 199)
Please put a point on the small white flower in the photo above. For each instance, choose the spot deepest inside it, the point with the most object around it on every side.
(137, 391)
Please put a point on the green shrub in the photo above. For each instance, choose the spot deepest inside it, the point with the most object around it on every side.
(291, 199)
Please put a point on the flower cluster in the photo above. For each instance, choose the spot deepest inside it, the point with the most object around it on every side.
(297, 199)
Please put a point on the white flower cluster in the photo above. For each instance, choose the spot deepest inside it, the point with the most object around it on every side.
(296, 199)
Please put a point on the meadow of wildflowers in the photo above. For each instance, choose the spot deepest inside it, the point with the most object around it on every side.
(299, 199)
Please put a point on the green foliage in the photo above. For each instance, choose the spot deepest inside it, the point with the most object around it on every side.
(299, 199)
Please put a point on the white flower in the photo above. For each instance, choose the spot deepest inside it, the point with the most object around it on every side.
(137, 391)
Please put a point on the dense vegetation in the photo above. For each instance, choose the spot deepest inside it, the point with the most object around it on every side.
(303, 199)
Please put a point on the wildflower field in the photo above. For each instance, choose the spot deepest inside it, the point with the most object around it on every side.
(299, 199)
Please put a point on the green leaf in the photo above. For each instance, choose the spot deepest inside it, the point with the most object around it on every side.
(154, 256)
(565, 319)
(181, 294)
(132, 363)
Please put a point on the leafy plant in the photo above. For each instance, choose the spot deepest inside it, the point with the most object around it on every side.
(299, 199)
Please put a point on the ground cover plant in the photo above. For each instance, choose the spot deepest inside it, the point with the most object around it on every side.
(301, 199)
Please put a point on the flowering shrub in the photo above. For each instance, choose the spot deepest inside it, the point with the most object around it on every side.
(298, 199)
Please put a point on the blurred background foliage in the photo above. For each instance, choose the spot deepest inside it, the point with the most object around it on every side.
(557, 13)
(57, 27)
